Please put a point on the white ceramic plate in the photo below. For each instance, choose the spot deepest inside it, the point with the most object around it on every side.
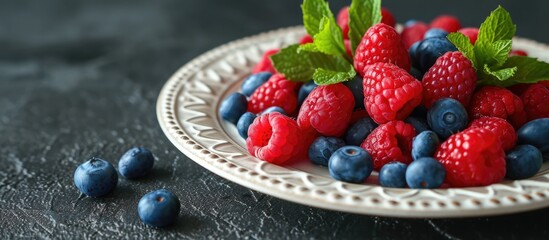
(187, 111)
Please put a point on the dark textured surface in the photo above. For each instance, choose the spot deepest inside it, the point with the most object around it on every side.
(81, 79)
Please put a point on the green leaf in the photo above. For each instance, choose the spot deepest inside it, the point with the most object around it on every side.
(464, 46)
(362, 15)
(328, 40)
(493, 54)
(340, 71)
(501, 74)
(313, 12)
(498, 26)
(530, 70)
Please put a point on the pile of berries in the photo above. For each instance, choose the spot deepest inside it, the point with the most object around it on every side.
(414, 113)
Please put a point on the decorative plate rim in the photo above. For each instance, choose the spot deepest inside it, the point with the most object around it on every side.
(203, 138)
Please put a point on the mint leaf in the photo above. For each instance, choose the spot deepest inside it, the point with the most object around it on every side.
(328, 40)
(313, 12)
(493, 54)
(340, 71)
(362, 15)
(498, 26)
(530, 70)
(289, 62)
(501, 74)
(464, 45)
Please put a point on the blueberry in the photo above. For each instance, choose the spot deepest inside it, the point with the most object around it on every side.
(136, 162)
(412, 51)
(350, 164)
(419, 124)
(425, 144)
(446, 117)
(244, 123)
(356, 134)
(425, 173)
(96, 177)
(393, 175)
(435, 32)
(158, 208)
(430, 49)
(420, 112)
(233, 107)
(252, 82)
(536, 133)
(410, 23)
(355, 85)
(304, 91)
(322, 149)
(523, 161)
(273, 109)
(416, 73)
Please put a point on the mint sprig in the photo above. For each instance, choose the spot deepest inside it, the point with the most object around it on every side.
(313, 12)
(328, 40)
(490, 54)
(362, 15)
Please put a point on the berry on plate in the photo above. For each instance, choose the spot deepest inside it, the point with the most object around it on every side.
(277, 91)
(419, 124)
(359, 131)
(159, 208)
(471, 33)
(343, 21)
(473, 157)
(389, 142)
(492, 101)
(430, 49)
(304, 91)
(244, 123)
(265, 64)
(355, 85)
(425, 144)
(535, 98)
(435, 32)
(524, 161)
(252, 82)
(322, 149)
(446, 117)
(136, 162)
(96, 177)
(387, 17)
(393, 175)
(425, 173)
(536, 133)
(390, 92)
(233, 107)
(413, 33)
(447, 22)
(503, 130)
(350, 164)
(274, 109)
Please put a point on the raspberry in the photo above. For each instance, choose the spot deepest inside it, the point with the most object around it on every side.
(471, 33)
(274, 138)
(306, 39)
(473, 157)
(389, 142)
(265, 64)
(387, 17)
(413, 34)
(518, 53)
(277, 91)
(492, 101)
(390, 92)
(452, 76)
(503, 130)
(327, 109)
(535, 98)
(343, 21)
(447, 23)
(381, 43)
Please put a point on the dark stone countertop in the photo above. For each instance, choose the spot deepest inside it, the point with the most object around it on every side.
(80, 79)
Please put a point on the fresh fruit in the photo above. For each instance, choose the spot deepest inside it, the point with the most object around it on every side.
(517, 52)
(435, 32)
(159, 208)
(387, 17)
(304, 91)
(274, 109)
(96, 177)
(410, 23)
(252, 82)
(535, 98)
(136, 162)
(391, 93)
(536, 133)
(350, 164)
(343, 21)
(265, 64)
(419, 124)
(425, 144)
(492, 101)
(322, 149)
(413, 33)
(233, 107)
(274, 138)
(430, 49)
(306, 39)
(473, 157)
(327, 109)
(446, 117)
(393, 175)
(452, 76)
(446, 22)
(359, 131)
(503, 130)
(355, 85)
(523, 162)
(358, 114)
(471, 33)
(381, 44)
(389, 142)
(425, 173)
(277, 91)
(244, 123)
(416, 73)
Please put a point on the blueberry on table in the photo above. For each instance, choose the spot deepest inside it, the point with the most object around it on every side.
(356, 134)
(446, 117)
(425, 144)
(536, 133)
(322, 149)
(304, 91)
(96, 177)
(425, 173)
(252, 82)
(350, 164)
(522, 162)
(429, 50)
(244, 123)
(393, 175)
(159, 208)
(356, 87)
(136, 162)
(233, 107)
